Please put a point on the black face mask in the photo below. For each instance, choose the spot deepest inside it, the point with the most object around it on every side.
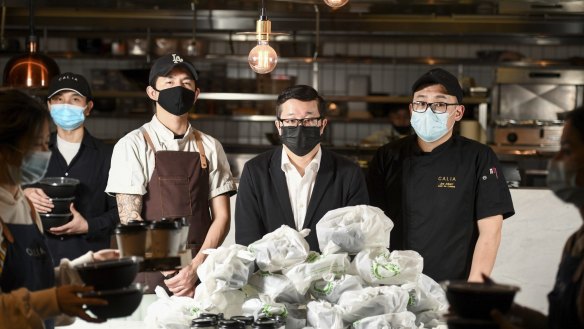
(300, 140)
(176, 100)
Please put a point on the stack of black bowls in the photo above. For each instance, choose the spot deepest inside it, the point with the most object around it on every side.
(112, 281)
(471, 303)
(61, 191)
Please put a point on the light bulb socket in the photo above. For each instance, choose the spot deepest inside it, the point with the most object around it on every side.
(263, 29)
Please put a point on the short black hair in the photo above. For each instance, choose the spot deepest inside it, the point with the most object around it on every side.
(302, 93)
(576, 118)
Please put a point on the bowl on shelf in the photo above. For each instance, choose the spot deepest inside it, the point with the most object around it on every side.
(110, 274)
(121, 302)
(61, 205)
(59, 187)
(51, 220)
(475, 300)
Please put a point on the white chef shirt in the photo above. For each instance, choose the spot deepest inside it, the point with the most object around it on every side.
(300, 187)
(133, 161)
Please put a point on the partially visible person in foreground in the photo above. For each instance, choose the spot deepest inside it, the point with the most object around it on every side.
(566, 180)
(28, 296)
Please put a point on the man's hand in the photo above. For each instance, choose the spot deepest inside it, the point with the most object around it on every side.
(183, 283)
(78, 225)
(71, 303)
(40, 201)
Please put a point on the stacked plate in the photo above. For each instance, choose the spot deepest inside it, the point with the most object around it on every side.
(112, 281)
(61, 191)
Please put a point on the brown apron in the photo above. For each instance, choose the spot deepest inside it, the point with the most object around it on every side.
(179, 187)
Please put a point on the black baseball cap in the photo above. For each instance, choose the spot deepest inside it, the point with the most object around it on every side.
(166, 63)
(70, 81)
(442, 77)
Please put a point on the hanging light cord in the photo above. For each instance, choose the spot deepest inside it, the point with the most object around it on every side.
(263, 15)
(30, 18)
(194, 20)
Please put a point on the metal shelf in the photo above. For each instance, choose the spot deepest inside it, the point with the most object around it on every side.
(273, 97)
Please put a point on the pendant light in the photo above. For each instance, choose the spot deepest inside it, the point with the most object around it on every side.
(263, 58)
(32, 69)
(336, 3)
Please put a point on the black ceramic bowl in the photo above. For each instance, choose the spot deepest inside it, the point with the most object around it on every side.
(121, 302)
(110, 274)
(55, 220)
(474, 300)
(61, 205)
(59, 187)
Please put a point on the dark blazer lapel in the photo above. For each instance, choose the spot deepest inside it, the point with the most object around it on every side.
(324, 178)
(281, 188)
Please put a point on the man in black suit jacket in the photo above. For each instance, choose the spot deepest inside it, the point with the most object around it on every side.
(298, 183)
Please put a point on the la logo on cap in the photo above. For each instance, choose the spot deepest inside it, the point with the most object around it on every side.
(176, 59)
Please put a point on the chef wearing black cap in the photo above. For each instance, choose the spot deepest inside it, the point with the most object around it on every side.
(445, 193)
(166, 168)
(77, 154)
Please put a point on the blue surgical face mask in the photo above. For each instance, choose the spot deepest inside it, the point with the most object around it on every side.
(67, 116)
(562, 181)
(430, 126)
(33, 168)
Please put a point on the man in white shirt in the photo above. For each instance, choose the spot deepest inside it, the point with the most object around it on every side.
(166, 168)
(297, 183)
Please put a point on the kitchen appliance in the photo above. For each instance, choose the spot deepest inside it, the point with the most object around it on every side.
(526, 106)
(527, 103)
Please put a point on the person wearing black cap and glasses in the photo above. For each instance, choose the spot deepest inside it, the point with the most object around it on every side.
(166, 168)
(446, 194)
(77, 154)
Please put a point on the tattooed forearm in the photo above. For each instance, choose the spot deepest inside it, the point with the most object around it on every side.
(129, 207)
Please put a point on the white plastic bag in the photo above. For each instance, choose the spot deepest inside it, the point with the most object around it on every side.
(427, 300)
(277, 286)
(213, 300)
(315, 268)
(402, 320)
(263, 306)
(232, 266)
(352, 229)
(370, 301)
(171, 312)
(281, 248)
(379, 266)
(323, 315)
(330, 288)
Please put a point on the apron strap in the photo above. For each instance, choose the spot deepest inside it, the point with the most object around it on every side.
(6, 232)
(147, 139)
(33, 214)
(201, 149)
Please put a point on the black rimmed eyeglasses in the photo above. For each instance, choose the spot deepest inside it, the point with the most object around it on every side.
(308, 122)
(437, 107)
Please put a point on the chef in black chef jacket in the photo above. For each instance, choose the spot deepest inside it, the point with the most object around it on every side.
(77, 154)
(446, 194)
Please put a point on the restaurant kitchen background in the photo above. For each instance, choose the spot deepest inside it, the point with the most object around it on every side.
(521, 64)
